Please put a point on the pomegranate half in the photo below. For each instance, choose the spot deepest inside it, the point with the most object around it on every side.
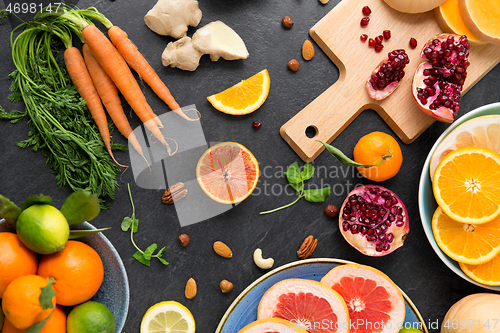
(385, 78)
(374, 220)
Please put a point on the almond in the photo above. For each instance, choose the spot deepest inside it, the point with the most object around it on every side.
(223, 250)
(191, 290)
(307, 50)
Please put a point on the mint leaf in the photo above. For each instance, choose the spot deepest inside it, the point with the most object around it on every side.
(135, 225)
(47, 295)
(126, 223)
(140, 258)
(297, 186)
(81, 206)
(160, 253)
(307, 171)
(149, 251)
(293, 173)
(163, 261)
(317, 195)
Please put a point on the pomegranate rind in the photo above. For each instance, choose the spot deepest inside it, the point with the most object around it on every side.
(356, 272)
(475, 19)
(269, 301)
(272, 325)
(380, 94)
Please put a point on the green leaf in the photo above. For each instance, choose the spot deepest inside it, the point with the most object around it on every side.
(149, 251)
(9, 211)
(140, 258)
(127, 223)
(73, 234)
(39, 326)
(344, 160)
(36, 200)
(47, 295)
(135, 225)
(81, 206)
(317, 195)
(307, 171)
(297, 186)
(293, 173)
(163, 261)
(160, 253)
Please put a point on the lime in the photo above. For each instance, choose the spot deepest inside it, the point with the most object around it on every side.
(43, 229)
(90, 317)
(409, 330)
(169, 316)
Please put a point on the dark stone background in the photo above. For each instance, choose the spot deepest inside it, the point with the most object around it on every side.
(415, 267)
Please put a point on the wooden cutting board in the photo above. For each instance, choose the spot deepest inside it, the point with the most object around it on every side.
(338, 36)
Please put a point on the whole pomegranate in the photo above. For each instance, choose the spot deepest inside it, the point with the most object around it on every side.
(374, 220)
(437, 83)
(385, 78)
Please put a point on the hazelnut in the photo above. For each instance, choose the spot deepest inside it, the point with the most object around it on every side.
(225, 286)
(184, 240)
(331, 211)
(293, 65)
(287, 22)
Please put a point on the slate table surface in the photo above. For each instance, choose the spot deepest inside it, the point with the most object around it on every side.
(415, 267)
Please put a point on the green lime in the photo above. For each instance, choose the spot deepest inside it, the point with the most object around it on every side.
(409, 330)
(43, 229)
(90, 317)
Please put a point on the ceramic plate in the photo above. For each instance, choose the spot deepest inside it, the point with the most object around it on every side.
(243, 311)
(426, 202)
(114, 291)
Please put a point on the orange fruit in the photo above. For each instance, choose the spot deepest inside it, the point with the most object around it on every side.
(375, 303)
(21, 304)
(487, 273)
(450, 20)
(227, 172)
(466, 183)
(371, 149)
(9, 328)
(467, 243)
(15, 260)
(55, 324)
(481, 17)
(77, 272)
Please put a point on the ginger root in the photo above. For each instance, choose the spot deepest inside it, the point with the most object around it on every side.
(219, 40)
(172, 17)
(181, 54)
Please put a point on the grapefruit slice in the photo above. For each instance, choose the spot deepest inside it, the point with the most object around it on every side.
(375, 303)
(227, 172)
(307, 304)
(272, 325)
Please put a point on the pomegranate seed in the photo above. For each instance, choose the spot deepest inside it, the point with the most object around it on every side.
(379, 39)
(363, 37)
(371, 42)
(366, 11)
(387, 34)
(379, 47)
(364, 21)
(256, 125)
(413, 43)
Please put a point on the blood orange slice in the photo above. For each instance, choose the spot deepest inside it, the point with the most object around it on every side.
(307, 304)
(272, 325)
(227, 172)
(375, 303)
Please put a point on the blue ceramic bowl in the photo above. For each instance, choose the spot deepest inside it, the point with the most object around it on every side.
(114, 291)
(426, 202)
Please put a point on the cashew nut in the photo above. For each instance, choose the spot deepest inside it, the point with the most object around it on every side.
(261, 262)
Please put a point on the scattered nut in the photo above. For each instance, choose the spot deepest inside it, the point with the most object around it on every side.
(331, 211)
(184, 240)
(191, 290)
(324, 2)
(225, 286)
(287, 22)
(261, 262)
(174, 193)
(293, 65)
(307, 248)
(307, 50)
(223, 250)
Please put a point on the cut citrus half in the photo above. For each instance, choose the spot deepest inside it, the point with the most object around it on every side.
(477, 132)
(487, 273)
(375, 303)
(244, 97)
(227, 172)
(169, 316)
(467, 243)
(306, 304)
(272, 325)
(466, 184)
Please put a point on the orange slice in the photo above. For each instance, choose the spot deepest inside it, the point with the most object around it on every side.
(467, 243)
(482, 17)
(244, 97)
(450, 20)
(466, 184)
(227, 172)
(487, 273)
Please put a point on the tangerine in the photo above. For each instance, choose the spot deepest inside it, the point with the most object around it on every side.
(55, 324)
(15, 260)
(382, 149)
(77, 272)
(21, 303)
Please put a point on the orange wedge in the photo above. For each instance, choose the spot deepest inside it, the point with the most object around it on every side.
(487, 273)
(244, 97)
(466, 184)
(227, 172)
(467, 243)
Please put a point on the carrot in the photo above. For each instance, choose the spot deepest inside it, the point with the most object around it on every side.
(139, 64)
(80, 76)
(109, 96)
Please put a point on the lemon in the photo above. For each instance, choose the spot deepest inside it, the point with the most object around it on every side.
(244, 97)
(90, 317)
(169, 316)
(42, 229)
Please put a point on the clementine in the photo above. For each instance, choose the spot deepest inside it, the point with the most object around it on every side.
(15, 260)
(77, 272)
(381, 149)
(55, 324)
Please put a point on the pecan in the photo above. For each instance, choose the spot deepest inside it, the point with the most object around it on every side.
(174, 193)
(307, 248)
